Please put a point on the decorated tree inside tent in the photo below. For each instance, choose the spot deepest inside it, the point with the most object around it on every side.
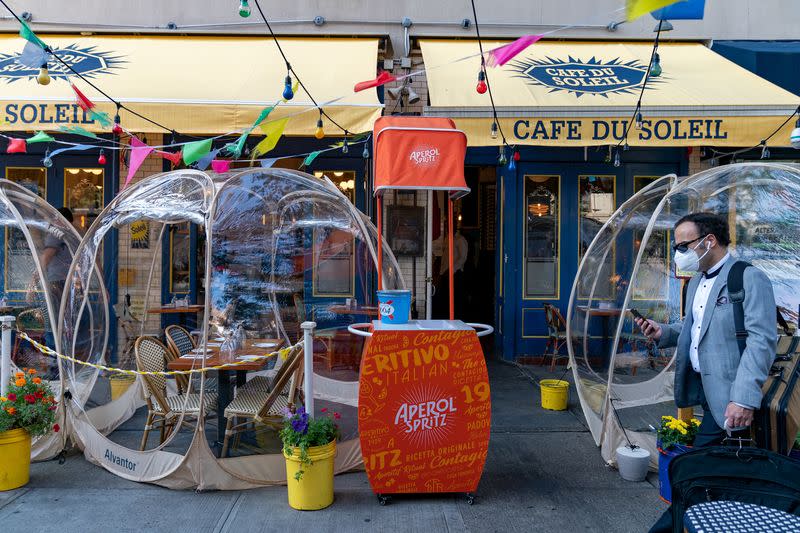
(279, 248)
(38, 244)
(624, 381)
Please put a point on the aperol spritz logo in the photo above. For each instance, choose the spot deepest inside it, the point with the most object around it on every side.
(88, 61)
(424, 155)
(584, 77)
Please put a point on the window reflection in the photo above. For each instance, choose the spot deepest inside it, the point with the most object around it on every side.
(652, 282)
(32, 178)
(83, 195)
(344, 179)
(597, 202)
(542, 219)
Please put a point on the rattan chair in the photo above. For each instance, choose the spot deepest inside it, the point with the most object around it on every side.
(254, 405)
(162, 410)
(556, 334)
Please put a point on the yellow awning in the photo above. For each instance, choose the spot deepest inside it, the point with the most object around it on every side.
(198, 85)
(583, 94)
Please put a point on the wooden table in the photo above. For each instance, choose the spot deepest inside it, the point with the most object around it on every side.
(366, 310)
(215, 358)
(167, 310)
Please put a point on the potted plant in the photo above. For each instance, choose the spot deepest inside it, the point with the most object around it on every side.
(309, 447)
(27, 410)
(675, 437)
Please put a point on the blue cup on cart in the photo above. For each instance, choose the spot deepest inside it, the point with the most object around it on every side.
(394, 306)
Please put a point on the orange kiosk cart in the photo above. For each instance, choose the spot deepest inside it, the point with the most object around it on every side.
(424, 407)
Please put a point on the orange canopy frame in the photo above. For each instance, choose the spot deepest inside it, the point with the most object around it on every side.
(419, 153)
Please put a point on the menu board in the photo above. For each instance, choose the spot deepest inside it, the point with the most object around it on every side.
(424, 411)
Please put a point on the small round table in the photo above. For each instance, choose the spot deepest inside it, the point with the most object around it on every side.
(738, 517)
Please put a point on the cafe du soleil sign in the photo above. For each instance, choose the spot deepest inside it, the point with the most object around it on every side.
(596, 78)
(87, 61)
(424, 411)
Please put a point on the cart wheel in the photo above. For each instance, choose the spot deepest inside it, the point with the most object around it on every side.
(470, 499)
(383, 499)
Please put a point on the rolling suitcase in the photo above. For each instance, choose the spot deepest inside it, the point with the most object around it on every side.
(775, 425)
(748, 475)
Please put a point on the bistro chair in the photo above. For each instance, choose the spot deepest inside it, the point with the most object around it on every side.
(264, 407)
(163, 410)
(556, 334)
(181, 342)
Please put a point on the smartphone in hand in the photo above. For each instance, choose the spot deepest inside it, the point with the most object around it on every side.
(637, 314)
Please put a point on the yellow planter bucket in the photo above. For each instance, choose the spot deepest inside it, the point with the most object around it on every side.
(15, 458)
(554, 394)
(315, 489)
(119, 384)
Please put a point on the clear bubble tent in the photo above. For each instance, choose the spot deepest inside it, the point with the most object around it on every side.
(277, 247)
(625, 383)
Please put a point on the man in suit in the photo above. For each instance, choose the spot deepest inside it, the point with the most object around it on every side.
(709, 369)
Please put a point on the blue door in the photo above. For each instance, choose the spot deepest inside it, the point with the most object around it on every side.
(550, 213)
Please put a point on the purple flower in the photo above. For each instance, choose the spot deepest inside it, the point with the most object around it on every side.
(300, 423)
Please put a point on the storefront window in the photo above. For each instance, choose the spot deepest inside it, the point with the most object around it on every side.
(83, 195)
(344, 179)
(541, 234)
(596, 204)
(32, 178)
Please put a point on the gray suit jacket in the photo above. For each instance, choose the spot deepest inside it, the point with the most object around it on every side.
(725, 376)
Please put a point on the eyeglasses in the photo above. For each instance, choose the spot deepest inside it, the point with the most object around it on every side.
(684, 246)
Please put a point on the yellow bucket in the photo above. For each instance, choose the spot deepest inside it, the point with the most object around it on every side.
(119, 384)
(554, 394)
(15, 458)
(315, 489)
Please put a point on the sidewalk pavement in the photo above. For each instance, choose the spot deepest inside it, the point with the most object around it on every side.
(543, 473)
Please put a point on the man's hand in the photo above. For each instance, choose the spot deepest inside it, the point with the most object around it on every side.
(650, 329)
(738, 416)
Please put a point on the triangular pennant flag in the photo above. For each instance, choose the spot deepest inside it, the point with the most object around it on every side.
(383, 78)
(33, 56)
(172, 157)
(100, 117)
(80, 99)
(235, 149)
(636, 8)
(503, 54)
(26, 32)
(139, 152)
(267, 163)
(193, 151)
(220, 165)
(77, 130)
(72, 148)
(311, 157)
(262, 116)
(206, 160)
(16, 146)
(273, 131)
(40, 137)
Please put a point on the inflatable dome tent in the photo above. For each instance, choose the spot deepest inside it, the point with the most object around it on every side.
(274, 248)
(624, 383)
(38, 247)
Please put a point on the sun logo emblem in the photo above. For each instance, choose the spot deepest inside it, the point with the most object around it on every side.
(584, 77)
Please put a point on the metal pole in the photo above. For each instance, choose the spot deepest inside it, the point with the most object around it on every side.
(429, 258)
(308, 365)
(7, 323)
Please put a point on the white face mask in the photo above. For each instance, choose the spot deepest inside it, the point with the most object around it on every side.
(689, 261)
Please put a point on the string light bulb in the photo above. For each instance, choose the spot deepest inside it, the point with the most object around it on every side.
(502, 160)
(365, 152)
(655, 68)
(102, 159)
(639, 120)
(765, 151)
(794, 137)
(320, 132)
(288, 93)
(244, 9)
(44, 76)
(494, 130)
(517, 157)
(617, 159)
(626, 146)
(345, 148)
(117, 129)
(481, 87)
(512, 164)
(47, 162)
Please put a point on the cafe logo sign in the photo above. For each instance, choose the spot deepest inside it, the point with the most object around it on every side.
(88, 61)
(386, 309)
(584, 77)
(424, 155)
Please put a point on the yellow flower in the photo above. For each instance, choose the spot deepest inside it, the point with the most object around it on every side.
(3, 399)
(683, 431)
(20, 382)
(695, 421)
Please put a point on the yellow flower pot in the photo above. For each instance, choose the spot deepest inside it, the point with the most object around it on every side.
(315, 489)
(15, 458)
(119, 384)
